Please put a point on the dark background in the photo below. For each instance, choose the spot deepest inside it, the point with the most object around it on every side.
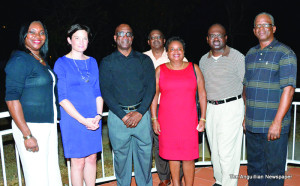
(188, 19)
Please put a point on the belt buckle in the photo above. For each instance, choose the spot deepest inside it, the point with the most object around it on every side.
(129, 108)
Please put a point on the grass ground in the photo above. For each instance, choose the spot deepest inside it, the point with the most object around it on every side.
(11, 167)
(10, 161)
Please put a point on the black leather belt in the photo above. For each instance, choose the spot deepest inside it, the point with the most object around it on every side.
(132, 107)
(224, 100)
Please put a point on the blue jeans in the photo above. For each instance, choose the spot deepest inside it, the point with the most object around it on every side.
(266, 159)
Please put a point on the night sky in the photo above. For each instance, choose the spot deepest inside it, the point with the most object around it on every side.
(188, 19)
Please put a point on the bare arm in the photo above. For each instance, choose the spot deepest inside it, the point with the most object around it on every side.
(71, 110)
(244, 98)
(99, 104)
(153, 107)
(16, 112)
(284, 105)
(202, 97)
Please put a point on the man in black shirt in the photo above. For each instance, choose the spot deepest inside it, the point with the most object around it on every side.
(127, 82)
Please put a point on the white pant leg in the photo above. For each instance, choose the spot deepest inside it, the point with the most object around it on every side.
(53, 160)
(230, 136)
(227, 140)
(35, 165)
(212, 120)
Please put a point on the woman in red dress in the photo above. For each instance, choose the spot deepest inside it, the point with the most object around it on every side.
(177, 123)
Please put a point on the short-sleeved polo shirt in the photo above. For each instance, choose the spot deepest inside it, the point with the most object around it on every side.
(268, 72)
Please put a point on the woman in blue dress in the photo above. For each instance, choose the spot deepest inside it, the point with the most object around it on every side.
(81, 106)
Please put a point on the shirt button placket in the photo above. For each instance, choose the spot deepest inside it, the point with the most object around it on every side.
(260, 56)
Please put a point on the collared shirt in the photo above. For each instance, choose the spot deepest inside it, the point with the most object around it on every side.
(268, 72)
(127, 81)
(223, 76)
(163, 59)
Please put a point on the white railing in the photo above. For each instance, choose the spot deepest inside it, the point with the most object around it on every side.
(104, 178)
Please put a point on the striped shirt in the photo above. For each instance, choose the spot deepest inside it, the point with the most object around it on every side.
(268, 71)
(223, 76)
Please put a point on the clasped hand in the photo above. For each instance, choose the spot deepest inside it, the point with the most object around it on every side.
(132, 119)
(92, 123)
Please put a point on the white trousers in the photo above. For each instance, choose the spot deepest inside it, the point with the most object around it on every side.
(42, 167)
(225, 132)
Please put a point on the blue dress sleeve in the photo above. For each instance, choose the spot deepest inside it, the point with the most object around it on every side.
(97, 91)
(59, 69)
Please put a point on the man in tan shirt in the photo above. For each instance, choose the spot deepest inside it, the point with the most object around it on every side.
(223, 69)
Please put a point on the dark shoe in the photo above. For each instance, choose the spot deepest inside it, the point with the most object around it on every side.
(216, 184)
(164, 183)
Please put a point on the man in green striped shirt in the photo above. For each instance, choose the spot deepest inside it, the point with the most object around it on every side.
(269, 84)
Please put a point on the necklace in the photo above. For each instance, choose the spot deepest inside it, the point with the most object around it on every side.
(173, 67)
(33, 54)
(87, 78)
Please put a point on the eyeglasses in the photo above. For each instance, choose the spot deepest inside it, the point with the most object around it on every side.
(175, 49)
(213, 36)
(156, 37)
(266, 25)
(122, 34)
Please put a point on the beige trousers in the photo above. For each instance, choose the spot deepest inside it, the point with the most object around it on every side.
(225, 132)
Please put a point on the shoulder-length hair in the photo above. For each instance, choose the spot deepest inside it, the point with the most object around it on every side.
(23, 34)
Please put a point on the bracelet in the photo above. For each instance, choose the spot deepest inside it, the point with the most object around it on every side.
(203, 119)
(28, 137)
(153, 119)
(100, 115)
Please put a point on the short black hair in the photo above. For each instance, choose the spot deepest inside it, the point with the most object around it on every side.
(23, 34)
(74, 28)
(217, 24)
(175, 38)
(162, 34)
